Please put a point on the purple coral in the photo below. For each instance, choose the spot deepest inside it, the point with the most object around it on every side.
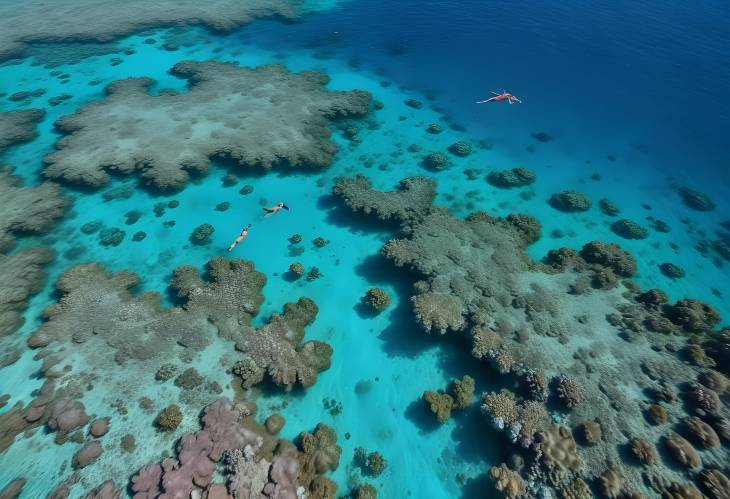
(146, 483)
(67, 415)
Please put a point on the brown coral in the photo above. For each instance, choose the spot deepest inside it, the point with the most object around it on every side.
(643, 450)
(558, 448)
(591, 432)
(568, 391)
(440, 404)
(610, 484)
(506, 481)
(715, 484)
(682, 451)
(701, 433)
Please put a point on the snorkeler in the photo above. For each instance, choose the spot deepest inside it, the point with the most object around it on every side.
(240, 237)
(275, 209)
(499, 97)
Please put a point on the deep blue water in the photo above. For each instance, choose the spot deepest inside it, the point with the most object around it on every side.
(633, 91)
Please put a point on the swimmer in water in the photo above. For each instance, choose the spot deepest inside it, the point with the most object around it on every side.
(276, 209)
(500, 97)
(240, 237)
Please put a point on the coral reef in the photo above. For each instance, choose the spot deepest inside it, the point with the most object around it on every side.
(671, 270)
(295, 107)
(94, 21)
(277, 350)
(570, 201)
(682, 451)
(506, 481)
(435, 161)
(87, 455)
(568, 391)
(372, 464)
(525, 320)
(461, 149)
(462, 391)
(27, 209)
(715, 484)
(21, 275)
(96, 307)
(507, 179)
(414, 195)
(201, 234)
(19, 126)
(643, 450)
(608, 207)
(296, 269)
(377, 299)
(628, 229)
(440, 404)
(169, 418)
(696, 200)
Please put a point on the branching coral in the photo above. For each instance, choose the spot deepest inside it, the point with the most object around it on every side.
(414, 195)
(521, 420)
(440, 404)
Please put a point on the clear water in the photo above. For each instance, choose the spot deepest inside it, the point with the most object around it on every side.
(633, 91)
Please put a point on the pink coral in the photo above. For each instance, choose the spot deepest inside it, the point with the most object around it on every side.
(284, 472)
(67, 415)
(194, 466)
(222, 423)
(146, 483)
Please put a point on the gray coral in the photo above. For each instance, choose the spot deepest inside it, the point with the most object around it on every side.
(164, 137)
(19, 126)
(277, 349)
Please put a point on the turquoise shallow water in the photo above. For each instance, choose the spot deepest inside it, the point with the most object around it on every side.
(383, 363)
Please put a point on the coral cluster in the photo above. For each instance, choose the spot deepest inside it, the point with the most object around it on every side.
(165, 137)
(18, 126)
(507, 179)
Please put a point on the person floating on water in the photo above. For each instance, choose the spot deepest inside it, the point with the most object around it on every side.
(240, 237)
(275, 209)
(499, 97)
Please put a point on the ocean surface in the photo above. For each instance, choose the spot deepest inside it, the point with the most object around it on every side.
(625, 101)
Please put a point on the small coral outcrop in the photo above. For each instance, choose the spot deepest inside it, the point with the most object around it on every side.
(570, 201)
(377, 299)
(508, 179)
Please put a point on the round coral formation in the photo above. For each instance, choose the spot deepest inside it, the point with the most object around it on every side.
(696, 200)
(507, 179)
(377, 299)
(701, 433)
(435, 161)
(508, 482)
(434, 128)
(570, 201)
(714, 483)
(608, 207)
(201, 234)
(682, 451)
(296, 269)
(568, 391)
(644, 451)
(461, 149)
(610, 484)
(462, 391)
(657, 414)
(591, 432)
(671, 270)
(628, 229)
(169, 418)
(440, 404)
